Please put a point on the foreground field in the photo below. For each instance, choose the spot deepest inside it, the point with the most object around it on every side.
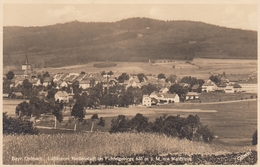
(63, 148)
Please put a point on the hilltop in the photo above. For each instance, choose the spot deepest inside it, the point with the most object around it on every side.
(134, 39)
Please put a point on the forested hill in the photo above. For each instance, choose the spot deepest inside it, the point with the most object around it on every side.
(134, 39)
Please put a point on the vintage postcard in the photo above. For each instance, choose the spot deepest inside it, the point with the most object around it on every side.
(92, 82)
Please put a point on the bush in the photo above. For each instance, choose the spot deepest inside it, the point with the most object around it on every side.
(254, 138)
(17, 126)
(175, 126)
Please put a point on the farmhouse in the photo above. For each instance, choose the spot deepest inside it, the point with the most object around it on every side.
(146, 100)
(165, 97)
(171, 98)
(209, 86)
(62, 96)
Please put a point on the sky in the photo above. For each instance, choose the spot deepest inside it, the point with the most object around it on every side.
(242, 15)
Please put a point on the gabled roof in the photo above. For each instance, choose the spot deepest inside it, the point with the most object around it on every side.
(192, 94)
(195, 87)
(167, 95)
(209, 83)
(156, 94)
(236, 86)
(61, 93)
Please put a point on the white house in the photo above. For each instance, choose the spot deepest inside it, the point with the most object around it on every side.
(62, 96)
(146, 100)
(171, 98)
(249, 86)
(229, 89)
(209, 86)
(237, 88)
(84, 84)
(192, 96)
(47, 81)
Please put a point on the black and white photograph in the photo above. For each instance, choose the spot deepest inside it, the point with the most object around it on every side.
(94, 82)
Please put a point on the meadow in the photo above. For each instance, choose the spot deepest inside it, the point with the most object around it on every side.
(234, 123)
(65, 148)
(198, 67)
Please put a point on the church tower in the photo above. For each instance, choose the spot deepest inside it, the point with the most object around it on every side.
(26, 66)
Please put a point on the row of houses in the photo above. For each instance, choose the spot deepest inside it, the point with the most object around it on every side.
(231, 86)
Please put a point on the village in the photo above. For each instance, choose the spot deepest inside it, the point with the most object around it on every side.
(147, 90)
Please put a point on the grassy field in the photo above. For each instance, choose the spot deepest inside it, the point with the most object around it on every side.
(200, 68)
(44, 147)
(233, 123)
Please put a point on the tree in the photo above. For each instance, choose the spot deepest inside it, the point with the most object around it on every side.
(56, 110)
(26, 84)
(119, 124)
(51, 94)
(10, 75)
(37, 106)
(148, 89)
(215, 79)
(23, 109)
(161, 76)
(123, 77)
(94, 118)
(172, 78)
(75, 87)
(17, 126)
(78, 111)
(110, 73)
(82, 72)
(141, 77)
(103, 73)
(101, 122)
(139, 123)
(176, 88)
(136, 94)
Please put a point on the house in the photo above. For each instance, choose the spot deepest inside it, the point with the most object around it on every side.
(165, 97)
(209, 86)
(62, 96)
(195, 88)
(146, 100)
(17, 95)
(229, 89)
(156, 95)
(232, 79)
(36, 82)
(85, 83)
(171, 98)
(61, 84)
(237, 88)
(221, 87)
(192, 96)
(249, 86)
(47, 81)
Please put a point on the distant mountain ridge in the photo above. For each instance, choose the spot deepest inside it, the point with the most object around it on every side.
(134, 39)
